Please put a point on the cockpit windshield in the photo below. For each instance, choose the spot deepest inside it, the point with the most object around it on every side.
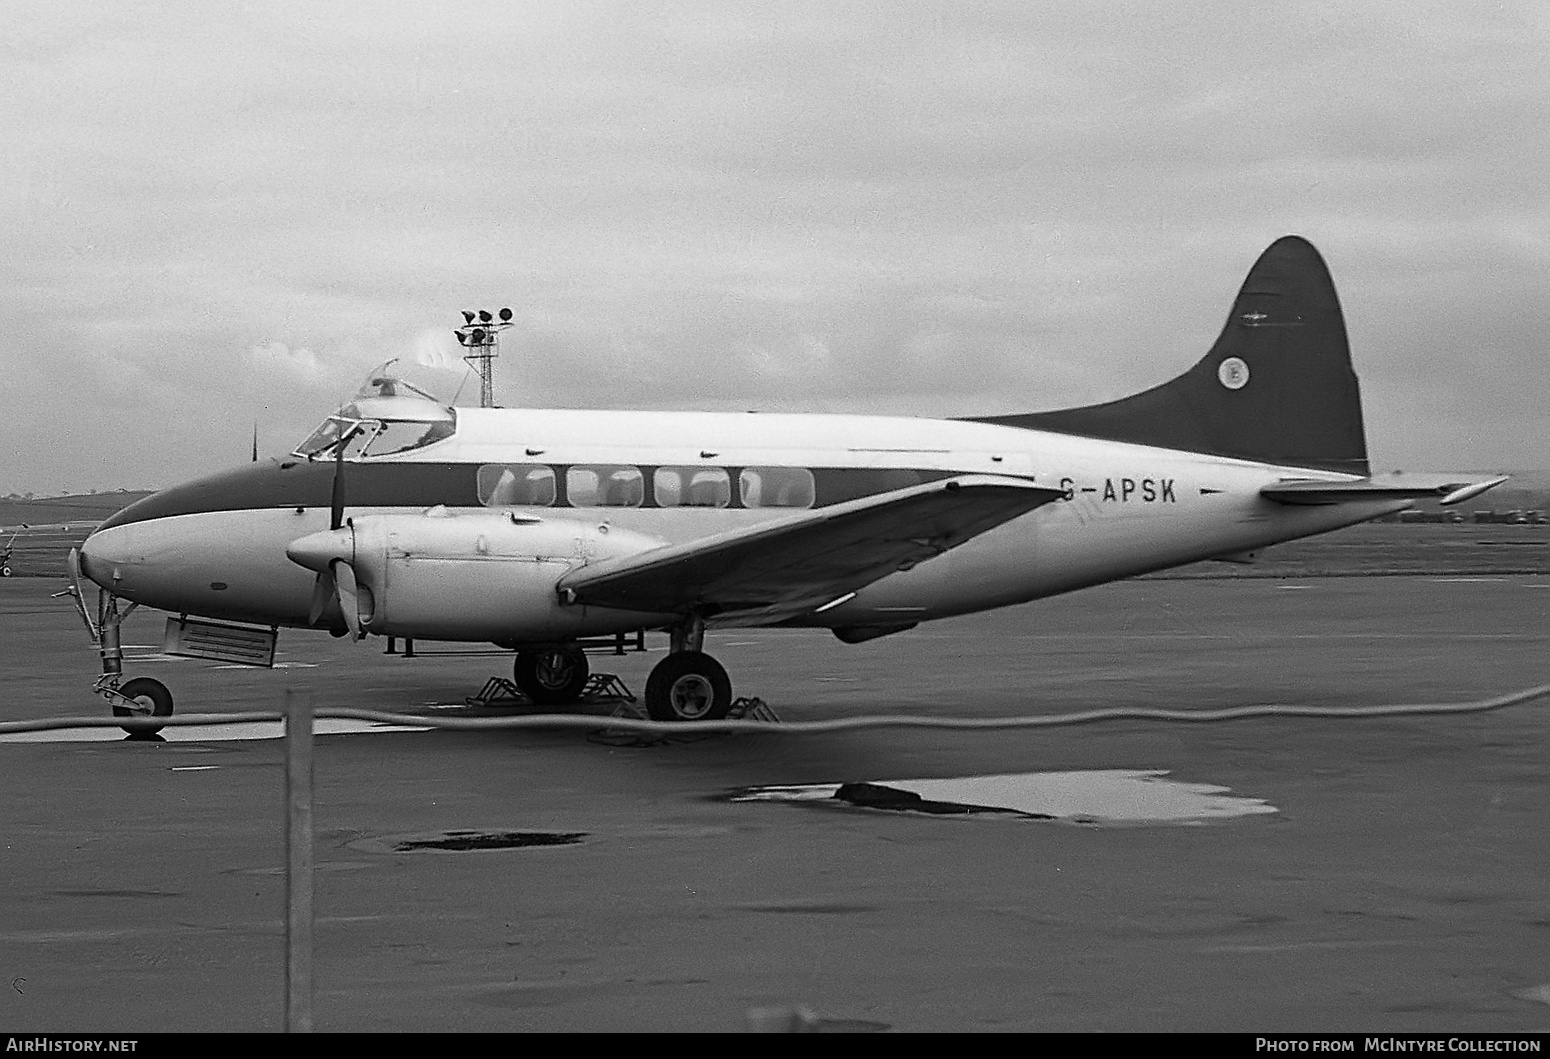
(387, 416)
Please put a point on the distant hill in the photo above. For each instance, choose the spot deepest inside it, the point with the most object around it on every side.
(1523, 491)
(53, 510)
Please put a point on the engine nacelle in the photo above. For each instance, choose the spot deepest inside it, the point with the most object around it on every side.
(484, 577)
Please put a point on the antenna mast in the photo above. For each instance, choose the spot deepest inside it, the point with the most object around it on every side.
(481, 339)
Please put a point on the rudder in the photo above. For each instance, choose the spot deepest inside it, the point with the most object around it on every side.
(1277, 387)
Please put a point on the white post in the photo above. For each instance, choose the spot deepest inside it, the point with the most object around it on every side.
(298, 862)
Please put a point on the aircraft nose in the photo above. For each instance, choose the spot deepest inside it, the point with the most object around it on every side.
(316, 550)
(98, 557)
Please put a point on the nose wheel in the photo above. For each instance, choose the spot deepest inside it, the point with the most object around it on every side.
(142, 697)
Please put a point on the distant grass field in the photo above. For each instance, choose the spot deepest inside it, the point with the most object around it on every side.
(1393, 548)
(56, 524)
(1376, 549)
(54, 510)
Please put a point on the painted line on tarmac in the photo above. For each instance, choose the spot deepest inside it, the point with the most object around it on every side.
(1245, 638)
(211, 733)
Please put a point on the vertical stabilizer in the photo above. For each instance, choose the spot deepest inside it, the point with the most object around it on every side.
(1276, 387)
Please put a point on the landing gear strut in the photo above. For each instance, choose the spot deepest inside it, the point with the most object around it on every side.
(688, 685)
(553, 675)
(140, 697)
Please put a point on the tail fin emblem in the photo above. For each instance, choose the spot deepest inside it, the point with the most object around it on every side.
(1233, 373)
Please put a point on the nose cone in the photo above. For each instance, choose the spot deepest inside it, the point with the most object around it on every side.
(100, 554)
(316, 550)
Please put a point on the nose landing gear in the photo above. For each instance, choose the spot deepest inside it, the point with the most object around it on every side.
(139, 697)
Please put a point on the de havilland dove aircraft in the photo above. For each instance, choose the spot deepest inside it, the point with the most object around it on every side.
(538, 530)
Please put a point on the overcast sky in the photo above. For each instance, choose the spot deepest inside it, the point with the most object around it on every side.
(220, 213)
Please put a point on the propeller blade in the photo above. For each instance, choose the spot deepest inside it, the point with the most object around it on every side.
(322, 596)
(336, 501)
(349, 597)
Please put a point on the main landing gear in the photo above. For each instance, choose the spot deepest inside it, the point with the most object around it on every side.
(688, 685)
(139, 697)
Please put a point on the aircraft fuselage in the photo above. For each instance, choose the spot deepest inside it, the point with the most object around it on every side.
(216, 547)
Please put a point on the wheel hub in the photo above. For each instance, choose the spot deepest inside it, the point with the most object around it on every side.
(692, 696)
(554, 669)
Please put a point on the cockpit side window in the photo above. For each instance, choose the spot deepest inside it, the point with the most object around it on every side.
(395, 436)
(326, 437)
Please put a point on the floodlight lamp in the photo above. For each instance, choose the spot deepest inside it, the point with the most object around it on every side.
(468, 317)
(478, 336)
(462, 339)
(505, 316)
(484, 317)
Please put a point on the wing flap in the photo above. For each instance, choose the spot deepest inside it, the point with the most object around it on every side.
(1449, 489)
(809, 558)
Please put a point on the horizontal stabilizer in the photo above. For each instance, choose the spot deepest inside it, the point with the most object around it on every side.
(1448, 489)
(809, 559)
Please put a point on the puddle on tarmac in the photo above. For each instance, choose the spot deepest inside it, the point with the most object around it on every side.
(1539, 993)
(1109, 796)
(466, 841)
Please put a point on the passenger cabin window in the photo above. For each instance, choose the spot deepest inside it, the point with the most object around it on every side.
(516, 485)
(605, 485)
(776, 487)
(691, 487)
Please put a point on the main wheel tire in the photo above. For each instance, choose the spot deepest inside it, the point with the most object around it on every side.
(688, 686)
(552, 676)
(153, 695)
(5, 571)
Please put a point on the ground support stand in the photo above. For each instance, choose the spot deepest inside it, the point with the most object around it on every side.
(600, 688)
(752, 709)
(743, 709)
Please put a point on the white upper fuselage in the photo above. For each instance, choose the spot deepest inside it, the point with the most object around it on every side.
(1129, 508)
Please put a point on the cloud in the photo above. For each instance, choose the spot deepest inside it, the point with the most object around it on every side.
(302, 363)
(437, 348)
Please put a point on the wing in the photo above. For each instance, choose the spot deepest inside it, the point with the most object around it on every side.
(1451, 489)
(813, 557)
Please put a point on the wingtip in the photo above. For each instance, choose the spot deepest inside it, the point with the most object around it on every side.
(1471, 490)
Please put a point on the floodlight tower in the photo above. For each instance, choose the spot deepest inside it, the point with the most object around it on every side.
(482, 341)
